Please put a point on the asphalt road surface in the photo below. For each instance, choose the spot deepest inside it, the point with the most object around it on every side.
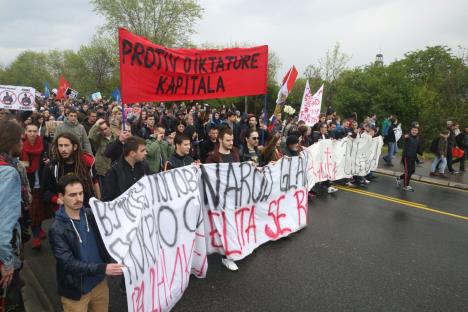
(365, 249)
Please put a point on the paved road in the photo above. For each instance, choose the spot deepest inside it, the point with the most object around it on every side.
(374, 249)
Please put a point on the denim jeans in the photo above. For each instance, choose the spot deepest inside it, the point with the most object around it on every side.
(442, 164)
(391, 152)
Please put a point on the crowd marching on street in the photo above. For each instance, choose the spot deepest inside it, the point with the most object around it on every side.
(54, 159)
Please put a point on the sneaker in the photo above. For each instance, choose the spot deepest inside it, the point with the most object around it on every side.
(365, 181)
(36, 243)
(434, 174)
(349, 184)
(42, 234)
(408, 188)
(229, 264)
(331, 189)
(398, 181)
(454, 172)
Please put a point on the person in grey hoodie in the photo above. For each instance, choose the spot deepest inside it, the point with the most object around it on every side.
(71, 125)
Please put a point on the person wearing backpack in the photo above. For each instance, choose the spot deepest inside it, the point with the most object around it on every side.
(439, 147)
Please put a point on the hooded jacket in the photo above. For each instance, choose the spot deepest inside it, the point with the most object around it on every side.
(80, 254)
(55, 170)
(79, 131)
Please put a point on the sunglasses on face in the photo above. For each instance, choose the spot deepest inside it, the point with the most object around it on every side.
(254, 138)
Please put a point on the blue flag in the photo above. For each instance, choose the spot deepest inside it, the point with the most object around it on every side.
(116, 94)
(46, 90)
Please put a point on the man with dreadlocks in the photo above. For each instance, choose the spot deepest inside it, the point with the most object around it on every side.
(68, 157)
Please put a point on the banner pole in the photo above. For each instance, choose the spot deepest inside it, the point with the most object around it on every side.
(265, 112)
(124, 115)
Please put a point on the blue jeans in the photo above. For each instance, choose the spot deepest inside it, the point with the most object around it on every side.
(442, 161)
(391, 152)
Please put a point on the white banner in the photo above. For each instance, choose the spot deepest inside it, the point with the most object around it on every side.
(157, 227)
(156, 230)
(247, 206)
(339, 159)
(310, 107)
(17, 97)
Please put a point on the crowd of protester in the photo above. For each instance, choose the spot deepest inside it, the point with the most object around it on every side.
(54, 159)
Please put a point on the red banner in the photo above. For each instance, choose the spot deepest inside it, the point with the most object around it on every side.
(149, 72)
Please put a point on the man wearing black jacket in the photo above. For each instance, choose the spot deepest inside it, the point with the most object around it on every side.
(114, 150)
(81, 258)
(181, 156)
(127, 170)
(411, 149)
(208, 144)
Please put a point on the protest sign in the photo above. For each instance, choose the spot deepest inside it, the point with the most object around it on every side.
(156, 230)
(149, 72)
(246, 206)
(17, 97)
(310, 107)
(96, 96)
(398, 133)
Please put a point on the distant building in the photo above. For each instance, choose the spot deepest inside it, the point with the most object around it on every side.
(379, 59)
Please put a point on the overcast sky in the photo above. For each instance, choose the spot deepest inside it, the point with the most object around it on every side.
(299, 31)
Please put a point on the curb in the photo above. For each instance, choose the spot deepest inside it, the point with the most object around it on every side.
(424, 179)
(34, 296)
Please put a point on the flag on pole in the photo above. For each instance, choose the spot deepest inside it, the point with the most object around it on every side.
(62, 88)
(287, 85)
(46, 90)
(116, 94)
(310, 107)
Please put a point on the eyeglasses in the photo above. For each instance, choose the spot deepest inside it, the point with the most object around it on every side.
(255, 138)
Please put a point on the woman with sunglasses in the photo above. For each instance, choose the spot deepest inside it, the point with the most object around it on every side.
(249, 150)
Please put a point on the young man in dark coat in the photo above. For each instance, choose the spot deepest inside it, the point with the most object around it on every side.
(81, 258)
(411, 150)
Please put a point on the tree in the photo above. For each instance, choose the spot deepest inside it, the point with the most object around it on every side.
(328, 70)
(28, 69)
(100, 64)
(165, 22)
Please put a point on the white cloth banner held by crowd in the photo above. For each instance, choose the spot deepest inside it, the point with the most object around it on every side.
(17, 97)
(339, 159)
(162, 228)
(310, 107)
(156, 230)
(246, 206)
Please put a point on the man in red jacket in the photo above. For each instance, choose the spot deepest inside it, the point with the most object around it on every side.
(32, 157)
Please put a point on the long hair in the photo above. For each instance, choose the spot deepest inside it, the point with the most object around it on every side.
(10, 133)
(80, 168)
(268, 152)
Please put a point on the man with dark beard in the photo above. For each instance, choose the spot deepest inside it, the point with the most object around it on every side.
(69, 158)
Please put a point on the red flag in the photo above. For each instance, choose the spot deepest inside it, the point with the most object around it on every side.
(287, 85)
(149, 72)
(62, 87)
